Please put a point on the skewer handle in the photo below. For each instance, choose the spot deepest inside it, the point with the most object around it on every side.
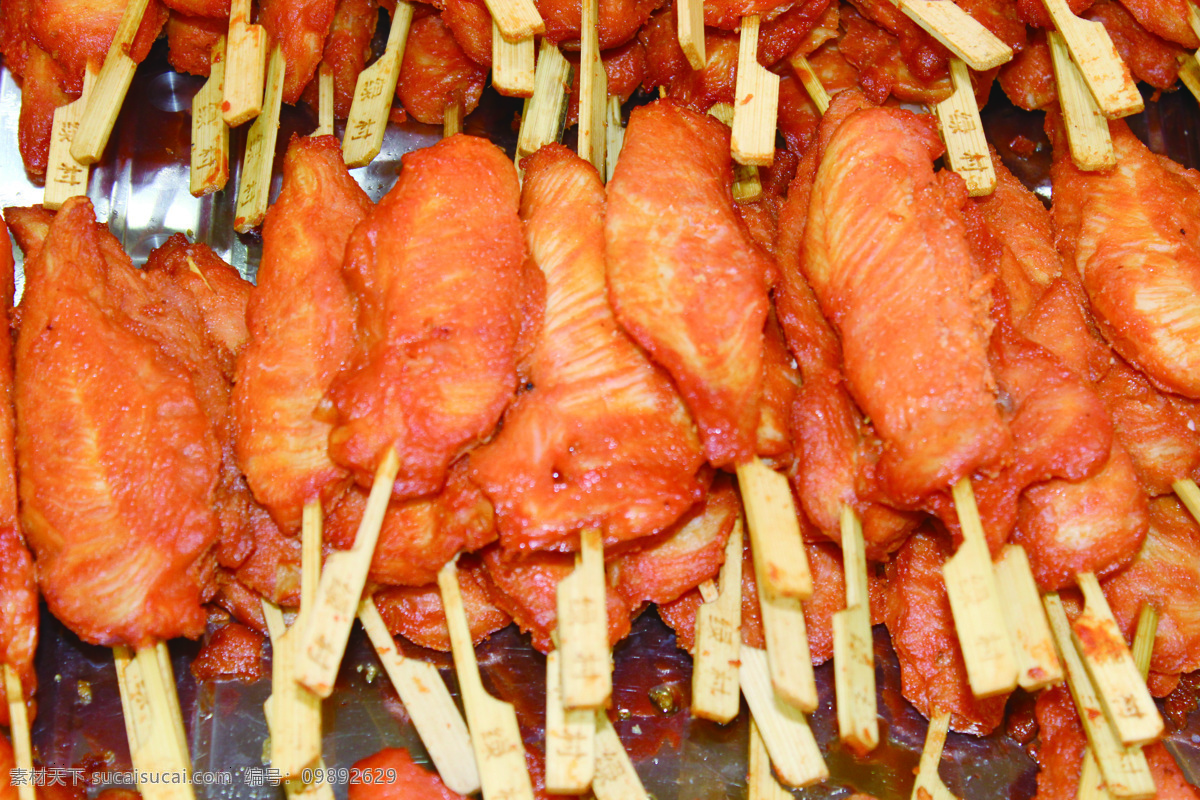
(516, 19)
(853, 647)
(747, 186)
(690, 24)
(962, 130)
(929, 784)
(762, 784)
(1038, 663)
(254, 188)
(615, 136)
(18, 720)
(245, 63)
(583, 628)
(1092, 50)
(373, 94)
(959, 32)
(718, 640)
(812, 84)
(210, 134)
(615, 777)
(513, 70)
(593, 89)
(324, 101)
(774, 530)
(1087, 129)
(784, 729)
(66, 177)
(545, 111)
(570, 737)
(757, 102)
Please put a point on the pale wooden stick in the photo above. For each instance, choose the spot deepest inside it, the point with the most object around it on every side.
(452, 117)
(784, 729)
(210, 134)
(786, 637)
(929, 784)
(975, 602)
(962, 130)
(245, 63)
(545, 112)
(170, 752)
(516, 19)
(808, 77)
(373, 93)
(593, 89)
(757, 102)
(178, 732)
(1125, 770)
(1127, 702)
(583, 628)
(296, 715)
(328, 629)
(761, 784)
(1189, 493)
(774, 530)
(747, 186)
(18, 721)
(853, 648)
(1189, 73)
(1193, 13)
(1038, 664)
(139, 724)
(689, 21)
(429, 704)
(254, 188)
(961, 34)
(1091, 782)
(66, 177)
(312, 526)
(112, 84)
(615, 135)
(570, 738)
(615, 777)
(1087, 129)
(513, 71)
(295, 787)
(324, 101)
(718, 640)
(1093, 52)
(495, 736)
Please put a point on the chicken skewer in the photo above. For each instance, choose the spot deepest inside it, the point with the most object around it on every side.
(65, 176)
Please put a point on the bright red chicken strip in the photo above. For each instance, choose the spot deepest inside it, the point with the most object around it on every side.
(923, 54)
(190, 41)
(435, 72)
(619, 20)
(1167, 19)
(18, 581)
(438, 271)
(416, 612)
(667, 271)
(301, 323)
(74, 33)
(1028, 79)
(602, 439)
(883, 70)
(471, 25)
(121, 559)
(391, 774)
(299, 28)
(347, 51)
(624, 69)
(1132, 235)
(887, 257)
(727, 14)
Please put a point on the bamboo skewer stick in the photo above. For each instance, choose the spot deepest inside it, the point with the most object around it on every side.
(774, 530)
(210, 134)
(1087, 129)
(513, 71)
(583, 628)
(784, 729)
(689, 21)
(718, 639)
(66, 177)
(929, 784)
(1189, 73)
(962, 130)
(961, 34)
(747, 186)
(545, 111)
(1123, 693)
(570, 737)
(328, 628)
(593, 89)
(1092, 50)
(245, 63)
(1189, 493)
(1038, 664)
(495, 736)
(373, 92)
(761, 784)
(516, 19)
(156, 745)
(812, 84)
(975, 603)
(756, 107)
(615, 778)
(1193, 13)
(18, 722)
(615, 137)
(429, 705)
(324, 101)
(853, 647)
(452, 117)
(254, 188)
(112, 84)
(1125, 770)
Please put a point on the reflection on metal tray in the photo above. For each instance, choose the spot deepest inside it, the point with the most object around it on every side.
(141, 189)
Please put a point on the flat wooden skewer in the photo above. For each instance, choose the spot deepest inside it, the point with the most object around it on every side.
(593, 89)
(570, 737)
(962, 130)
(761, 784)
(429, 705)
(1125, 770)
(157, 745)
(340, 589)
(245, 62)
(254, 188)
(784, 729)
(812, 84)
(545, 111)
(112, 84)
(452, 117)
(929, 784)
(1038, 664)
(373, 92)
(513, 71)
(210, 134)
(774, 530)
(615, 778)
(324, 101)
(756, 106)
(975, 602)
(18, 721)
(615, 137)
(583, 628)
(1189, 73)
(961, 34)
(689, 22)
(1123, 693)
(1087, 129)
(747, 186)
(853, 647)
(1093, 52)
(1189, 493)
(516, 19)
(66, 177)
(718, 639)
(495, 736)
